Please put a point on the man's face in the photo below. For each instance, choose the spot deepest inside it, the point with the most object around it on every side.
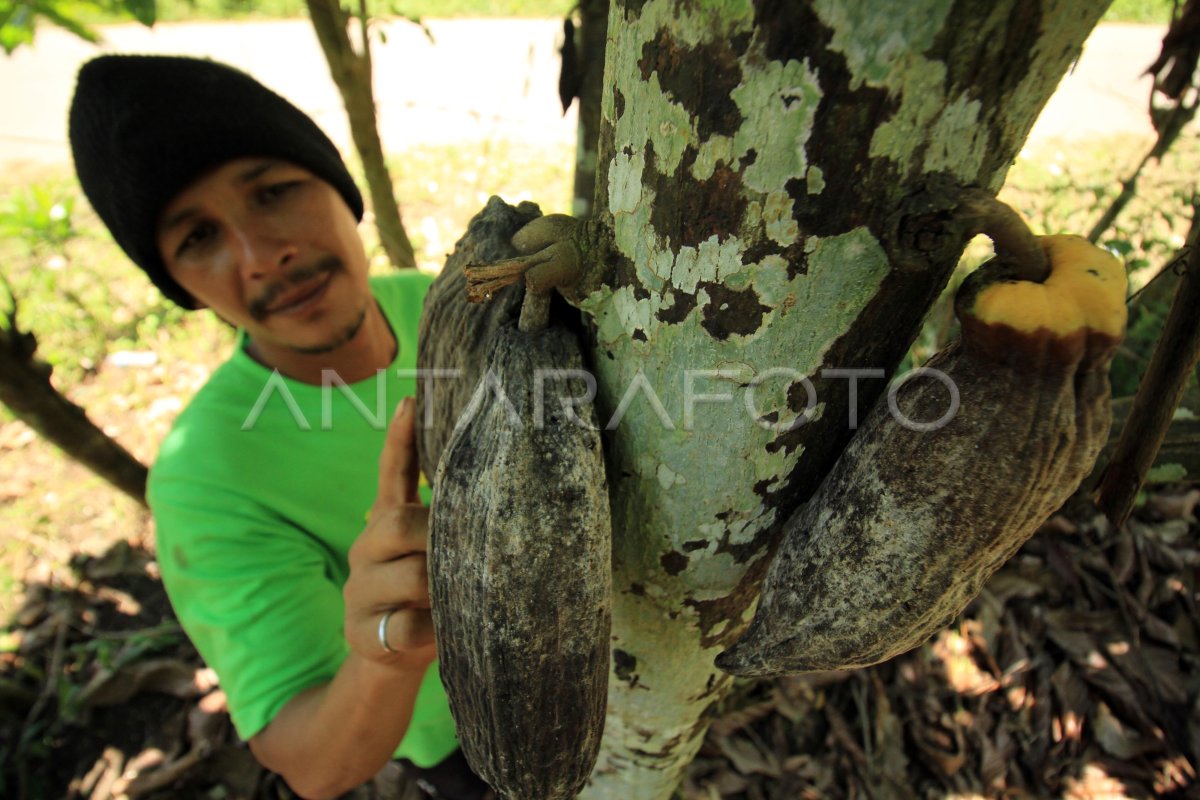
(270, 248)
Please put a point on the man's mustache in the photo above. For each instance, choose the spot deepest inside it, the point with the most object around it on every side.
(259, 307)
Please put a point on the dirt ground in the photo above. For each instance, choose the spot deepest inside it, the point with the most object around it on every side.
(1073, 675)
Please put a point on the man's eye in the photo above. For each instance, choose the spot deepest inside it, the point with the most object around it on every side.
(276, 190)
(196, 237)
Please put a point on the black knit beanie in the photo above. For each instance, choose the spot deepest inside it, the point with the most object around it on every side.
(142, 128)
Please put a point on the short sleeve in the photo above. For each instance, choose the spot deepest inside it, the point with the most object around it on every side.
(253, 528)
(255, 595)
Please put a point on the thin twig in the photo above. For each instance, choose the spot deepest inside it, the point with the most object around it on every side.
(61, 626)
(1128, 192)
(364, 19)
(840, 728)
(1179, 52)
(1158, 396)
(514, 268)
(1180, 116)
(49, 688)
(1176, 266)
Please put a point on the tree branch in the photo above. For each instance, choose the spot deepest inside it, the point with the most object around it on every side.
(26, 390)
(1161, 389)
(351, 72)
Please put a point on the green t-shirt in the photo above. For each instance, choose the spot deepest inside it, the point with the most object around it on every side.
(258, 492)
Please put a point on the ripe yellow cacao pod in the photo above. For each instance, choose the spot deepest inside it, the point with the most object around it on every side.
(909, 524)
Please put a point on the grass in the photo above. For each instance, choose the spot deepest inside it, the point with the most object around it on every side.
(1061, 189)
(1150, 11)
(443, 187)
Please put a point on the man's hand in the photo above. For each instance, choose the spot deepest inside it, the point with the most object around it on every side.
(387, 562)
(332, 737)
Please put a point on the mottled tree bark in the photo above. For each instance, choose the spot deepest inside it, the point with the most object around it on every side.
(352, 73)
(776, 187)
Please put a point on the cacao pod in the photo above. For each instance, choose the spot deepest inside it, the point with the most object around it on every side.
(453, 333)
(909, 524)
(520, 546)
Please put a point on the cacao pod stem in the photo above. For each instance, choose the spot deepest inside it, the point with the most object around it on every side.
(550, 259)
(1015, 244)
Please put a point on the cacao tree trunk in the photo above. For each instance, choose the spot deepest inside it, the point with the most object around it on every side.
(352, 73)
(775, 194)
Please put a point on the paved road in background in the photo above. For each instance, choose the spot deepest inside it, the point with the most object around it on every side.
(477, 80)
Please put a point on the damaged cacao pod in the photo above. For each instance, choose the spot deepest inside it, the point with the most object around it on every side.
(453, 336)
(520, 550)
(919, 511)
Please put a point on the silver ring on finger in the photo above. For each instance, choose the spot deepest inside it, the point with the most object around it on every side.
(382, 632)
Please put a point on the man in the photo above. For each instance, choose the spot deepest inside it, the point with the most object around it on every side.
(316, 622)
